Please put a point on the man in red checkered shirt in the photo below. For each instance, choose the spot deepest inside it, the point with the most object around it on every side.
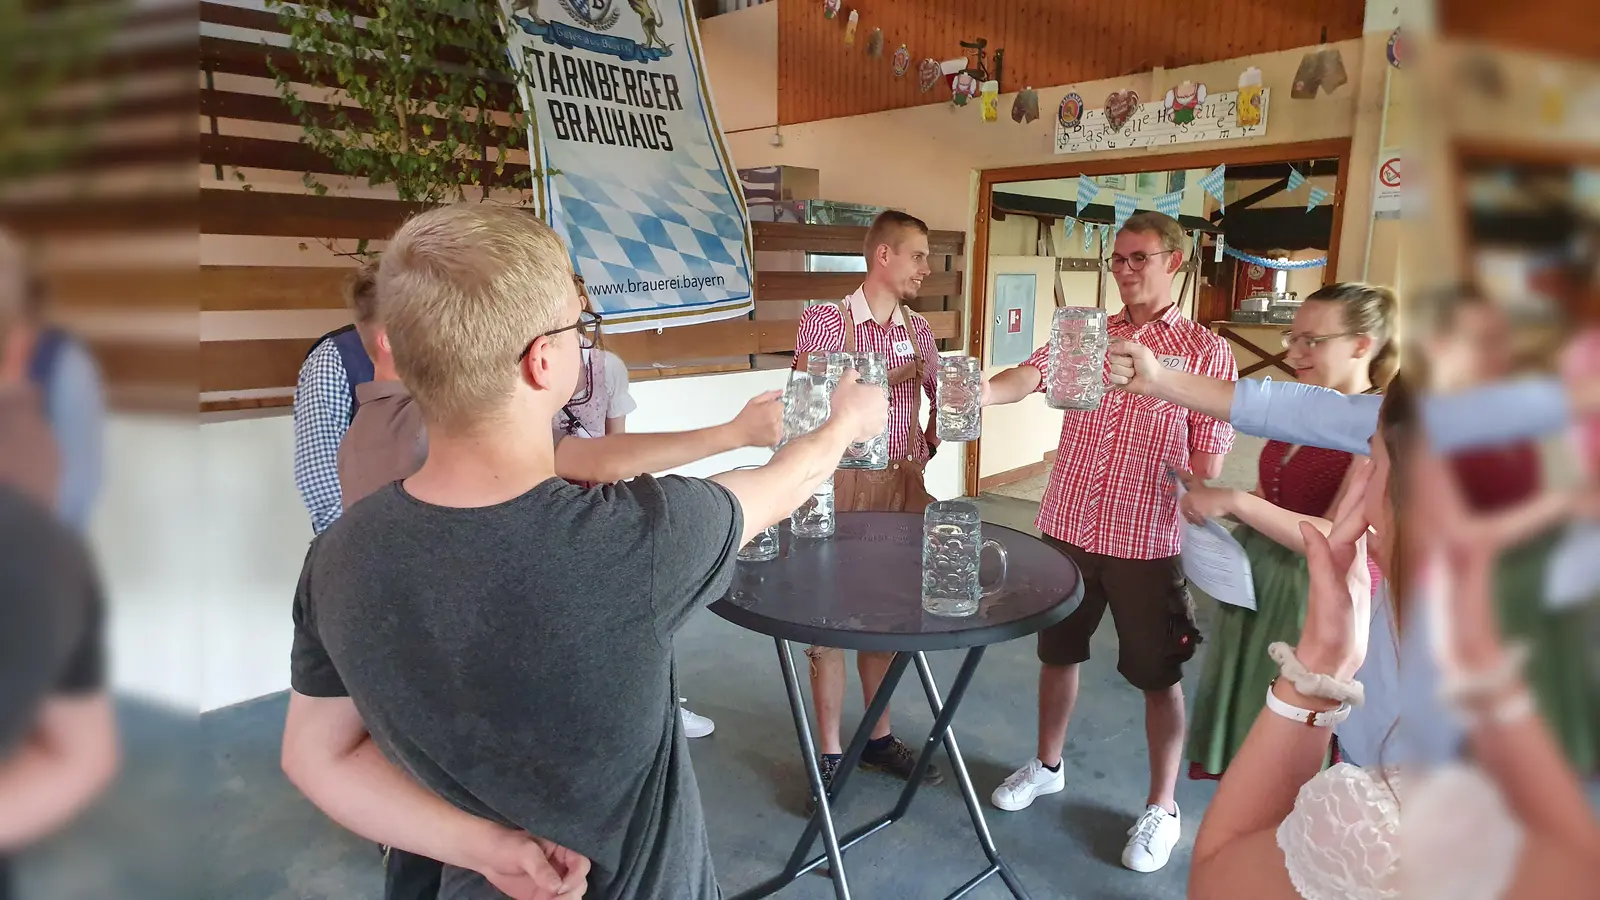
(875, 319)
(1110, 507)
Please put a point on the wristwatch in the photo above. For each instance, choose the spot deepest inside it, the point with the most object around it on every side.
(1308, 717)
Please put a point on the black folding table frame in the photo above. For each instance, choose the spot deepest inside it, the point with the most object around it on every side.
(822, 817)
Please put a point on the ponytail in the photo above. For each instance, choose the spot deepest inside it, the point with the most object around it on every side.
(1385, 365)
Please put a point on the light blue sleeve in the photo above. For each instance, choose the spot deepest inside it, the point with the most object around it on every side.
(1501, 413)
(1305, 414)
(77, 415)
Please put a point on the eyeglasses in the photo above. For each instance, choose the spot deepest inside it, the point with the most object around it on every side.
(587, 326)
(1313, 341)
(1135, 262)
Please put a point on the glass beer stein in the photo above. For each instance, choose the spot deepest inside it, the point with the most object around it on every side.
(960, 397)
(1078, 342)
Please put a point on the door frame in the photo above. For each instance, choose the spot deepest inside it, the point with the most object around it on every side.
(1254, 154)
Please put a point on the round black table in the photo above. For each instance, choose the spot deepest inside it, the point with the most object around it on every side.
(862, 590)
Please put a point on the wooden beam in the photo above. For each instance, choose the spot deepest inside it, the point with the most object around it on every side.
(272, 109)
(833, 285)
(839, 238)
(259, 153)
(267, 214)
(730, 337)
(256, 288)
(137, 214)
(252, 365)
(121, 290)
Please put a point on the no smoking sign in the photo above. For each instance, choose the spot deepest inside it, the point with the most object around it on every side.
(1386, 198)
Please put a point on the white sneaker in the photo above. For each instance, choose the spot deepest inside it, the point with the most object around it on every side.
(1153, 837)
(694, 725)
(1030, 781)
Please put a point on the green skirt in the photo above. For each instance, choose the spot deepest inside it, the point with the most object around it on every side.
(1237, 672)
(1559, 672)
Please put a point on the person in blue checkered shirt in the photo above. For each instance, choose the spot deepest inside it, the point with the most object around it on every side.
(322, 413)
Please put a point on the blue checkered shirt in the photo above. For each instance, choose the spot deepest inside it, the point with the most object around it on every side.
(321, 417)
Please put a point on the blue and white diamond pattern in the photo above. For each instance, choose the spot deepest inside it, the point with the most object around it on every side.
(1213, 182)
(1295, 179)
(1169, 204)
(1087, 191)
(1122, 207)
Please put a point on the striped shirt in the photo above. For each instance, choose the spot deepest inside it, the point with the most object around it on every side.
(822, 330)
(1109, 490)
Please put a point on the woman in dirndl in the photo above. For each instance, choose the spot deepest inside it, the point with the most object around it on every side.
(1342, 338)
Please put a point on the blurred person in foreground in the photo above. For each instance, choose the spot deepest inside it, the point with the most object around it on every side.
(62, 370)
(58, 738)
(1463, 340)
(1514, 825)
(457, 692)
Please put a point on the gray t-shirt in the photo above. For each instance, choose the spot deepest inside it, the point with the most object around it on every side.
(517, 660)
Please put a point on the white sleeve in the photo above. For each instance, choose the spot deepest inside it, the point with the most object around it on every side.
(1342, 839)
(622, 402)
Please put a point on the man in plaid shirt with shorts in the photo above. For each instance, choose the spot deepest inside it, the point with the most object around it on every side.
(1110, 507)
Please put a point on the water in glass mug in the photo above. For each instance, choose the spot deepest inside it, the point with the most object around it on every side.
(872, 368)
(814, 518)
(1078, 341)
(952, 545)
(762, 548)
(960, 395)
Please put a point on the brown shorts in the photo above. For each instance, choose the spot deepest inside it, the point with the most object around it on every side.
(1150, 606)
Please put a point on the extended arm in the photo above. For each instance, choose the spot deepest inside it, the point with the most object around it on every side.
(67, 760)
(618, 457)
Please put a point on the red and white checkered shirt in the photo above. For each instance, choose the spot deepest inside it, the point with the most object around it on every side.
(822, 330)
(1109, 489)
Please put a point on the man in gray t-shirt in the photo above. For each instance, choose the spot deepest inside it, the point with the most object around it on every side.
(482, 665)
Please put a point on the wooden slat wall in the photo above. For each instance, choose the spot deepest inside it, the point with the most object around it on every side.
(1047, 42)
(1559, 27)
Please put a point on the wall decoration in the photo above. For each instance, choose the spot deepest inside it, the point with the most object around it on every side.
(1320, 70)
(963, 87)
(1089, 231)
(902, 61)
(1182, 101)
(1317, 196)
(1213, 183)
(1178, 180)
(1066, 228)
(1295, 179)
(1149, 183)
(875, 43)
(1069, 116)
(1025, 108)
(830, 8)
(850, 27)
(1251, 108)
(1122, 207)
(1112, 182)
(1087, 191)
(1215, 120)
(1169, 204)
(685, 258)
(1333, 73)
(927, 75)
(1120, 107)
(1396, 49)
(989, 93)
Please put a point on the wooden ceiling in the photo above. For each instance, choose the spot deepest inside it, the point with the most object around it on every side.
(1046, 43)
(1560, 27)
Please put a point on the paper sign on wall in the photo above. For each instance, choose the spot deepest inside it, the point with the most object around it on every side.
(1386, 202)
(1216, 119)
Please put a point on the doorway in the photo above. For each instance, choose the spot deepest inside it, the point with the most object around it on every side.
(1035, 249)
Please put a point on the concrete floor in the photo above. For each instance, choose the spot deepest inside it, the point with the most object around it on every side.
(262, 841)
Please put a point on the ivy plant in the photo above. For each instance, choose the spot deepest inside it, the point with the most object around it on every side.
(424, 76)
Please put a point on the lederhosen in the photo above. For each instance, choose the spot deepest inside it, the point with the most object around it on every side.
(900, 487)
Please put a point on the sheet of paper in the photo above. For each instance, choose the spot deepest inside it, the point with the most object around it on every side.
(1572, 576)
(1215, 562)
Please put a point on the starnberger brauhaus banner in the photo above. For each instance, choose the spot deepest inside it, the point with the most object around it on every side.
(640, 184)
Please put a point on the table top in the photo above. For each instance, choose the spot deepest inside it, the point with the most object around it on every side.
(862, 589)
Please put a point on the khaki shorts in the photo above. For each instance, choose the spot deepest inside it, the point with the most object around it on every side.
(1150, 606)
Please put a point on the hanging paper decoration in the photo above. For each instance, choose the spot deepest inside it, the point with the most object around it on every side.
(1123, 206)
(1396, 49)
(1066, 228)
(1106, 236)
(989, 91)
(1087, 191)
(1285, 265)
(1089, 231)
(1213, 182)
(1169, 204)
(927, 75)
(963, 88)
(875, 43)
(902, 61)
(1317, 196)
(1250, 107)
(830, 8)
(1120, 107)
(1295, 179)
(1025, 108)
(1182, 101)
(850, 27)
(1070, 113)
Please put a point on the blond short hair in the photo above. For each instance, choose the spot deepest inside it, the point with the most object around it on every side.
(362, 299)
(464, 289)
(1159, 224)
